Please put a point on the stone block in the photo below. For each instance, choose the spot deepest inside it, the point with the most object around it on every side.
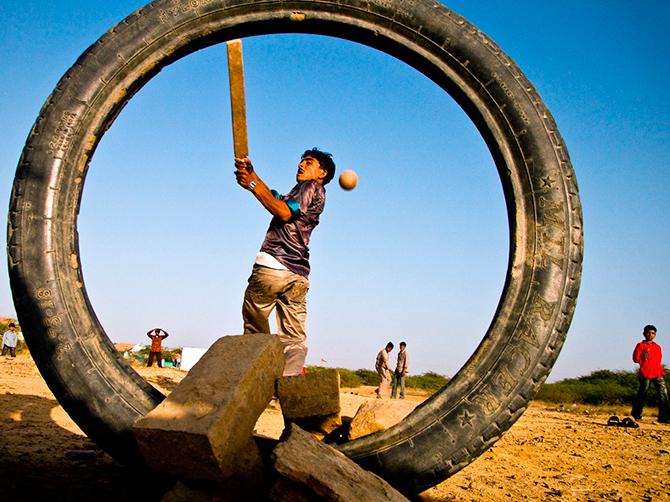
(285, 490)
(375, 415)
(315, 394)
(311, 400)
(203, 429)
(326, 473)
(319, 426)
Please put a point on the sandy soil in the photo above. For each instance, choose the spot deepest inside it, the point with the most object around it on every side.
(549, 454)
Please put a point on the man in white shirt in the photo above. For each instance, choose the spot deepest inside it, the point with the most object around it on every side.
(382, 367)
(9, 339)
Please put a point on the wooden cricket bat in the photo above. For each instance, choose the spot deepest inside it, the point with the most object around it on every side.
(237, 102)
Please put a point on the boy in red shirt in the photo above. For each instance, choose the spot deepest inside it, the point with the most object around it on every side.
(649, 355)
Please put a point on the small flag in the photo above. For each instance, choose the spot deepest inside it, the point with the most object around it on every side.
(323, 360)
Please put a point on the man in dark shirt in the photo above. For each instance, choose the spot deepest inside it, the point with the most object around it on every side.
(401, 368)
(280, 274)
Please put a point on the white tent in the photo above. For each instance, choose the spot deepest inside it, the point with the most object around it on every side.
(190, 356)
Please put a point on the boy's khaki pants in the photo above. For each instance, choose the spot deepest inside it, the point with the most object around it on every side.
(287, 292)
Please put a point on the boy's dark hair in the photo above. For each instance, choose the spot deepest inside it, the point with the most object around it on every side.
(390, 344)
(325, 161)
(11, 325)
(403, 344)
(648, 328)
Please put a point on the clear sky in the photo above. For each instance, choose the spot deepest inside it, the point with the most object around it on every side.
(418, 251)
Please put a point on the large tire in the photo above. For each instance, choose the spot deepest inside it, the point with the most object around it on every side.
(105, 396)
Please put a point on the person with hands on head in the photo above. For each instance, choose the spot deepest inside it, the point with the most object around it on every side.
(279, 279)
(156, 348)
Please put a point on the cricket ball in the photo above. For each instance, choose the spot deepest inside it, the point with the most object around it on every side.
(348, 179)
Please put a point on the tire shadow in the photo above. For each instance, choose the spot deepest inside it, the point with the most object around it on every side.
(40, 460)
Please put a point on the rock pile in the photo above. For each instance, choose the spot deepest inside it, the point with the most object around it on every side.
(203, 432)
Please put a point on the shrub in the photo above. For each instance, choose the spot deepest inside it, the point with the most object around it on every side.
(599, 387)
(169, 354)
(142, 356)
(348, 378)
(369, 377)
(429, 381)
(4, 324)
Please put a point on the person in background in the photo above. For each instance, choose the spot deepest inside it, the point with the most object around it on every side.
(382, 367)
(649, 356)
(9, 339)
(156, 348)
(401, 367)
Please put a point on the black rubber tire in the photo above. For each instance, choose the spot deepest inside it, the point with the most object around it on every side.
(105, 396)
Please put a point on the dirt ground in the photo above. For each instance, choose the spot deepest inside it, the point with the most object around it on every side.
(550, 454)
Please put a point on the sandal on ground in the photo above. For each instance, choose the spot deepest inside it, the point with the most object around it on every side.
(629, 422)
(613, 421)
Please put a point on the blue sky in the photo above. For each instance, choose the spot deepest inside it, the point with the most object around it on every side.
(418, 251)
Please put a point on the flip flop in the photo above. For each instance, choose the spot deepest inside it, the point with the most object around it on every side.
(613, 421)
(629, 422)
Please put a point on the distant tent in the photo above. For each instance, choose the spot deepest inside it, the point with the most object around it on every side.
(190, 356)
